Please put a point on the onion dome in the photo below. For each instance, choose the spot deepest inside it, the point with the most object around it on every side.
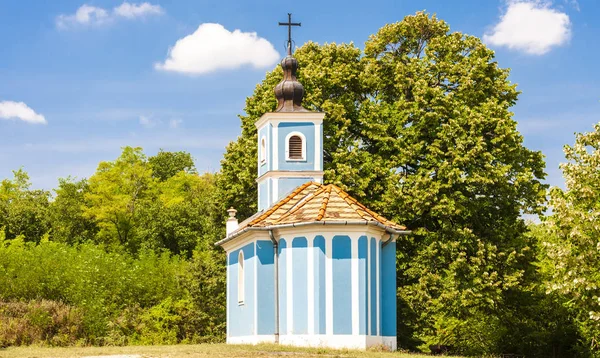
(289, 92)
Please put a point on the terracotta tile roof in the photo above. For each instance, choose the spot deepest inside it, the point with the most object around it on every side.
(314, 202)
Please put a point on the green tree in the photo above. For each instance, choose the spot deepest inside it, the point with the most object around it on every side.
(23, 211)
(572, 237)
(166, 164)
(69, 224)
(419, 128)
(182, 216)
(118, 191)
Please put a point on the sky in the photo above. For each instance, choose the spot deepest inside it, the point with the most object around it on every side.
(81, 79)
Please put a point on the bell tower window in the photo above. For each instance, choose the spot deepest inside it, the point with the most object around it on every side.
(295, 144)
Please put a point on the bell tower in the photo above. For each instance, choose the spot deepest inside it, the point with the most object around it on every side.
(290, 140)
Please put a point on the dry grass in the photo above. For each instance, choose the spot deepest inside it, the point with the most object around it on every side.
(190, 351)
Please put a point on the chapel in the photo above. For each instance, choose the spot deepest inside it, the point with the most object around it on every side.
(313, 267)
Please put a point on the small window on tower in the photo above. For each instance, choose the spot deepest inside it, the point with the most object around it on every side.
(241, 278)
(295, 148)
(263, 150)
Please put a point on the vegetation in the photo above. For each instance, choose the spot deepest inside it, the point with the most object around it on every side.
(418, 127)
(205, 350)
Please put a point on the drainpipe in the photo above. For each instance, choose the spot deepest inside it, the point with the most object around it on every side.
(388, 240)
(276, 262)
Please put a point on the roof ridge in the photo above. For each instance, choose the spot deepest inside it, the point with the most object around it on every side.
(302, 202)
(281, 202)
(324, 204)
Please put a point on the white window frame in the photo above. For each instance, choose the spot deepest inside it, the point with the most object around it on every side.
(263, 150)
(241, 278)
(287, 147)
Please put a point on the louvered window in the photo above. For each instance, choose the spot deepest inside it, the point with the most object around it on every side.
(295, 148)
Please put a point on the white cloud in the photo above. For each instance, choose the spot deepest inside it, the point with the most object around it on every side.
(85, 15)
(137, 10)
(148, 122)
(530, 26)
(212, 47)
(19, 110)
(175, 123)
(88, 15)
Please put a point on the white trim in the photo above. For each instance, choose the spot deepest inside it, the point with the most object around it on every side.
(290, 174)
(310, 252)
(279, 117)
(328, 284)
(318, 150)
(377, 273)
(338, 341)
(255, 339)
(274, 195)
(255, 327)
(354, 284)
(227, 298)
(287, 146)
(289, 286)
(275, 147)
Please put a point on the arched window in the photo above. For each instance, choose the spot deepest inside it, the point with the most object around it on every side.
(241, 277)
(295, 146)
(263, 150)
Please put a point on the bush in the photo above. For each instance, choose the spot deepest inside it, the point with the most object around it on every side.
(105, 287)
(39, 322)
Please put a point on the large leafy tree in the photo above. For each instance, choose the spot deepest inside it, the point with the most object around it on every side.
(69, 224)
(117, 193)
(419, 128)
(23, 210)
(572, 239)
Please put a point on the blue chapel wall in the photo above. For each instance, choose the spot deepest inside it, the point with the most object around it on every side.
(266, 287)
(286, 185)
(388, 290)
(308, 130)
(341, 253)
(373, 279)
(283, 254)
(363, 302)
(300, 285)
(319, 282)
(241, 315)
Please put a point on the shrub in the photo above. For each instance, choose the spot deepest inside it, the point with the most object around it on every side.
(39, 322)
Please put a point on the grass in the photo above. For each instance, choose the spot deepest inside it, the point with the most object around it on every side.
(190, 351)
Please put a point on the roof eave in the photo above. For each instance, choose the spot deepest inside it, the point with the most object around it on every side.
(388, 229)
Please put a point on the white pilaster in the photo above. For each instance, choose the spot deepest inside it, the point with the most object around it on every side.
(255, 289)
(311, 285)
(275, 191)
(354, 278)
(328, 285)
(227, 296)
(275, 147)
(318, 152)
(289, 287)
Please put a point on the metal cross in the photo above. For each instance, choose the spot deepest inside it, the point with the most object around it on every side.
(289, 24)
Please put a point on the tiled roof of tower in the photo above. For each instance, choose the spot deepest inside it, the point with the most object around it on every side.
(313, 202)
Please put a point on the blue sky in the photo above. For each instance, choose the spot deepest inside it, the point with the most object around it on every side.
(79, 80)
